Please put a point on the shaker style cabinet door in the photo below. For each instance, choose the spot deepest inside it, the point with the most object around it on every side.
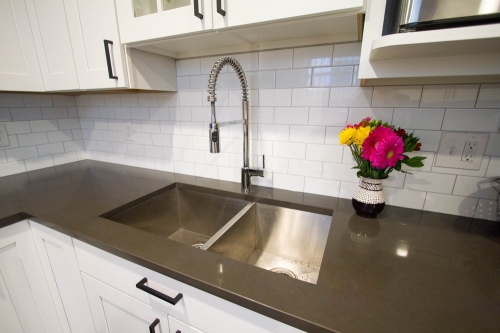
(142, 20)
(59, 262)
(26, 305)
(19, 67)
(116, 312)
(94, 35)
(233, 13)
(53, 44)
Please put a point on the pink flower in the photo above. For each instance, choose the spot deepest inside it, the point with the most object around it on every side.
(370, 144)
(387, 152)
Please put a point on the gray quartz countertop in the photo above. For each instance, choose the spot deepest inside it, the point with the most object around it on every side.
(407, 271)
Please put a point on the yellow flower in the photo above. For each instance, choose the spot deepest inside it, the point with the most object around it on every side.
(361, 135)
(347, 135)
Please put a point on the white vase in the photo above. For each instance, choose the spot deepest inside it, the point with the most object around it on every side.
(368, 200)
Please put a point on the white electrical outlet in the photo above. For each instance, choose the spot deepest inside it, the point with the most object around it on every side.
(129, 132)
(460, 150)
(4, 137)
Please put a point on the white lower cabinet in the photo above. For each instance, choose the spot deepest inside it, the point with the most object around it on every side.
(177, 326)
(26, 303)
(116, 312)
(196, 309)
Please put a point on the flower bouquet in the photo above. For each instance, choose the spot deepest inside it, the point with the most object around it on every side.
(378, 149)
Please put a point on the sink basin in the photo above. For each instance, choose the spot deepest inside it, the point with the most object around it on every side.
(286, 241)
(256, 231)
(181, 214)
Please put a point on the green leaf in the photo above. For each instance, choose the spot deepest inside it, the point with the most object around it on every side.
(413, 164)
(374, 174)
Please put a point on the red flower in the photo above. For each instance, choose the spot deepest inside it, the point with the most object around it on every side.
(401, 132)
(417, 148)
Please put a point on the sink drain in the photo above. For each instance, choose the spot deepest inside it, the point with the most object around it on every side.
(198, 246)
(284, 271)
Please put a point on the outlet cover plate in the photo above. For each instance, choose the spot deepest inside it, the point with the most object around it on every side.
(460, 150)
(4, 137)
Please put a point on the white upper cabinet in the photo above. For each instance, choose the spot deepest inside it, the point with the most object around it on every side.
(19, 68)
(91, 23)
(461, 54)
(146, 20)
(53, 44)
(233, 13)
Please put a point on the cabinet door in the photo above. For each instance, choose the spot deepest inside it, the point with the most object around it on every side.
(19, 68)
(60, 265)
(90, 23)
(244, 12)
(116, 312)
(178, 326)
(53, 45)
(26, 304)
(142, 20)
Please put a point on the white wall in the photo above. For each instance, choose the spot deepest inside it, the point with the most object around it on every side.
(300, 99)
(44, 130)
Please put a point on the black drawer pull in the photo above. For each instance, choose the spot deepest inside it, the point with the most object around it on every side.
(178, 331)
(219, 8)
(108, 59)
(197, 10)
(142, 285)
(153, 325)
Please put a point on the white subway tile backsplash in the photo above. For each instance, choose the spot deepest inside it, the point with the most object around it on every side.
(182, 141)
(3, 157)
(305, 168)
(222, 98)
(396, 179)
(32, 139)
(11, 100)
(310, 97)
(404, 198)
(118, 147)
(275, 97)
(146, 99)
(248, 61)
(332, 76)
(43, 125)
(158, 113)
(261, 79)
(493, 168)
(358, 114)
(82, 100)
(97, 100)
(450, 96)
(101, 124)
(23, 153)
(415, 118)
(397, 96)
(39, 163)
(55, 113)
(73, 145)
(170, 127)
(351, 96)
(164, 165)
(106, 113)
(328, 116)
(324, 153)
(346, 54)
(487, 210)
(73, 123)
(168, 99)
(50, 149)
(143, 112)
(153, 151)
(122, 112)
(428, 139)
(11, 168)
(332, 135)
(291, 115)
(347, 157)
(235, 97)
(26, 114)
(136, 150)
(430, 182)
(5, 114)
(473, 120)
(183, 84)
(195, 156)
(112, 100)
(60, 136)
(180, 113)
(279, 59)
(207, 171)
(347, 189)
(188, 67)
(258, 147)
(288, 182)
(104, 146)
(449, 204)
(493, 147)
(18, 127)
(274, 132)
(330, 188)
(340, 172)
(63, 100)
(220, 159)
(489, 96)
(289, 150)
(190, 98)
(307, 134)
(229, 81)
(229, 174)
(37, 100)
(315, 56)
(294, 78)
(65, 158)
(258, 115)
(174, 154)
(475, 187)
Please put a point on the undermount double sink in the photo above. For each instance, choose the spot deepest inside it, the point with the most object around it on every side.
(283, 240)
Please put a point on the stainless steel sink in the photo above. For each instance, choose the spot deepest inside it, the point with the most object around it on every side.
(286, 241)
(283, 240)
(181, 214)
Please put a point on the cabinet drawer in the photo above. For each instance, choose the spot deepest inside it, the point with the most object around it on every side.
(177, 326)
(196, 308)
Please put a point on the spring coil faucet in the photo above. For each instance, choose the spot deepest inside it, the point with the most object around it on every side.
(214, 138)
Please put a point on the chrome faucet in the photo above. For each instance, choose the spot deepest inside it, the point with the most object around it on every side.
(214, 138)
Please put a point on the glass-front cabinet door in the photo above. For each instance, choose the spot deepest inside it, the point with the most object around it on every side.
(146, 20)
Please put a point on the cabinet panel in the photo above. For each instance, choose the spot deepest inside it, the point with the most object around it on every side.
(25, 300)
(178, 326)
(91, 22)
(244, 12)
(19, 68)
(116, 312)
(166, 22)
(59, 262)
(53, 44)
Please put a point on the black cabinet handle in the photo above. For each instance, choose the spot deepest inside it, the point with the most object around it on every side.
(197, 10)
(219, 8)
(178, 331)
(142, 285)
(153, 325)
(108, 59)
